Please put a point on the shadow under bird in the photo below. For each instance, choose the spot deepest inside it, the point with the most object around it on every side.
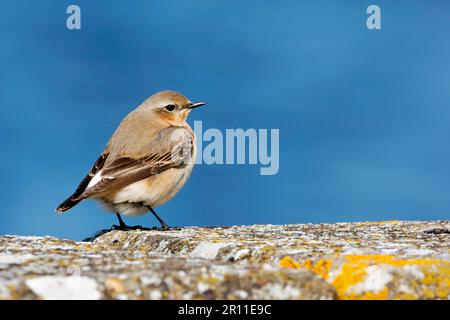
(146, 162)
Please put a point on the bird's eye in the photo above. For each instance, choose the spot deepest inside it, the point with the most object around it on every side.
(170, 107)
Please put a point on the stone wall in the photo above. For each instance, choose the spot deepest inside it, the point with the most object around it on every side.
(371, 260)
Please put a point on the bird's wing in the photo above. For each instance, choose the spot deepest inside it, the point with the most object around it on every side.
(171, 148)
(72, 200)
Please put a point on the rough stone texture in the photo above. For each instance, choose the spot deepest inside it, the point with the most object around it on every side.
(371, 260)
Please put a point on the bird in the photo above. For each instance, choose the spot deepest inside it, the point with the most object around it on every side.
(148, 159)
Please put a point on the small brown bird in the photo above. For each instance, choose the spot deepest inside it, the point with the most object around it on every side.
(146, 162)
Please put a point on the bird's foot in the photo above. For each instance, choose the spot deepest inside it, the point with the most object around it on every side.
(129, 228)
(97, 234)
(165, 227)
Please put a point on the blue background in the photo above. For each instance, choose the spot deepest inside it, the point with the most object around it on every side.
(364, 116)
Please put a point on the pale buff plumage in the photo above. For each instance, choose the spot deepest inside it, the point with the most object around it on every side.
(147, 160)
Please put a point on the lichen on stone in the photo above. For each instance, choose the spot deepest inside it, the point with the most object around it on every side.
(367, 260)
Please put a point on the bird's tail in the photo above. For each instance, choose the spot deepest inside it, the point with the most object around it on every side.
(67, 204)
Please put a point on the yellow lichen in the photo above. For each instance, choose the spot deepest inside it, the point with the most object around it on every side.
(321, 267)
(391, 260)
(354, 271)
(288, 262)
(439, 279)
(435, 283)
(427, 293)
(351, 274)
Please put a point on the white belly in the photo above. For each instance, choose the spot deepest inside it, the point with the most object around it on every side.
(152, 191)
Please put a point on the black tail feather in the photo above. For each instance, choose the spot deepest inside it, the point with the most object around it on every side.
(67, 204)
(77, 196)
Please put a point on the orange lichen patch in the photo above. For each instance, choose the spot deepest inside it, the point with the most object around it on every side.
(321, 267)
(391, 260)
(434, 285)
(351, 274)
(439, 280)
(354, 271)
(288, 262)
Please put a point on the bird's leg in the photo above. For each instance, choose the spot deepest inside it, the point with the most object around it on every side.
(164, 225)
(121, 223)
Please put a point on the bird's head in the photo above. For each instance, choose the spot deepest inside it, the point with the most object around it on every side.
(171, 106)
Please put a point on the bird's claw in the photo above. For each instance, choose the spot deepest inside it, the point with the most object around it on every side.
(128, 228)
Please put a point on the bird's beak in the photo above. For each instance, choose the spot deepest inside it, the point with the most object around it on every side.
(195, 105)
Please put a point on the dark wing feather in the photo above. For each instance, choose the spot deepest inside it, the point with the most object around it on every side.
(125, 170)
(71, 201)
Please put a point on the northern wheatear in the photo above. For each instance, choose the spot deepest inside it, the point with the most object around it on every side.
(146, 162)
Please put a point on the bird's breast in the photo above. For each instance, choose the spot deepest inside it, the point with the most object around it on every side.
(154, 190)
